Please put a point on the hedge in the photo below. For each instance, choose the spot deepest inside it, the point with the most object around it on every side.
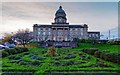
(104, 54)
(113, 42)
(12, 51)
(90, 50)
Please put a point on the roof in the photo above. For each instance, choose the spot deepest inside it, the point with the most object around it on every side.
(60, 12)
(61, 25)
(93, 32)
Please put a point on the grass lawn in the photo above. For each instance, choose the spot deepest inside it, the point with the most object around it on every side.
(68, 60)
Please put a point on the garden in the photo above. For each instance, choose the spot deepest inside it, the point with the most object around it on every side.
(81, 60)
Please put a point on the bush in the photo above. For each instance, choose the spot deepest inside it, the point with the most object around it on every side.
(104, 54)
(68, 63)
(102, 64)
(113, 42)
(52, 51)
(56, 63)
(4, 53)
(86, 41)
(97, 54)
(56, 58)
(14, 57)
(90, 50)
(12, 51)
(19, 61)
(36, 57)
(22, 63)
(18, 49)
(44, 51)
(36, 63)
(26, 53)
(69, 56)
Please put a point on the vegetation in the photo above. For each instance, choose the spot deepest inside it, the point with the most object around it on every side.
(7, 38)
(113, 42)
(103, 54)
(52, 51)
(82, 59)
(23, 37)
(12, 51)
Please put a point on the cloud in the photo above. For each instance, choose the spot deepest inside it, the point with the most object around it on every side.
(99, 16)
(60, 0)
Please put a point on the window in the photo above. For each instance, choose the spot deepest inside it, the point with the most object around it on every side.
(82, 33)
(41, 28)
(96, 35)
(81, 29)
(44, 29)
(38, 33)
(49, 33)
(76, 29)
(76, 33)
(70, 29)
(43, 33)
(54, 38)
(60, 33)
(49, 29)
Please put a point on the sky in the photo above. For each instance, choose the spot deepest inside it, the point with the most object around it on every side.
(100, 16)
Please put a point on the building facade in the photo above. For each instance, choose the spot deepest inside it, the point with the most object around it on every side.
(60, 30)
(94, 35)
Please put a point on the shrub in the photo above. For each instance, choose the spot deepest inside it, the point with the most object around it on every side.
(11, 57)
(90, 50)
(43, 52)
(56, 63)
(4, 53)
(102, 64)
(52, 51)
(56, 58)
(86, 41)
(18, 49)
(36, 62)
(26, 53)
(8, 50)
(69, 56)
(19, 61)
(104, 54)
(12, 51)
(36, 57)
(14, 57)
(97, 53)
(115, 57)
(113, 42)
(68, 63)
(22, 63)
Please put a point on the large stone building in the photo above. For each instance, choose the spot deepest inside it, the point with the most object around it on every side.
(60, 30)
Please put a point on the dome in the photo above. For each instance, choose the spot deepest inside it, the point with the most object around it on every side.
(60, 12)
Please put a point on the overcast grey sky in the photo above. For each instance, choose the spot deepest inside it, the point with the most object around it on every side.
(100, 16)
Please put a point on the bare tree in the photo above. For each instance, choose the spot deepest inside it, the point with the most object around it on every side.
(23, 36)
(7, 38)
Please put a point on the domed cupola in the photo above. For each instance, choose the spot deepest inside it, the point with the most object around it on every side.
(60, 16)
(60, 12)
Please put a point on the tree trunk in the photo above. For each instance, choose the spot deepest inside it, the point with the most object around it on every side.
(24, 45)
